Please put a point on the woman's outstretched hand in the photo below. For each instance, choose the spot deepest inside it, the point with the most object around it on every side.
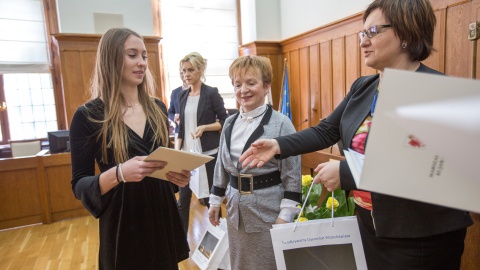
(260, 152)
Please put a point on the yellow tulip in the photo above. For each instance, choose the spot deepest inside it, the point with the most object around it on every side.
(302, 219)
(329, 203)
(306, 180)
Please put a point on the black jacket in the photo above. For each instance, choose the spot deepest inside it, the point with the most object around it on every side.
(210, 109)
(394, 217)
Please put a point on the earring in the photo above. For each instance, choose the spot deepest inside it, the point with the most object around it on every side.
(404, 45)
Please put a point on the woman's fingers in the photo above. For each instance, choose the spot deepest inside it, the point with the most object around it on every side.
(179, 179)
(135, 169)
(259, 153)
(328, 174)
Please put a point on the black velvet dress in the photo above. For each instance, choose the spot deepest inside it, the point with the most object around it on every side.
(140, 227)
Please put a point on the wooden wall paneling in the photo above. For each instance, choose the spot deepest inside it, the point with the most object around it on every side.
(315, 77)
(276, 88)
(20, 202)
(58, 175)
(475, 54)
(436, 60)
(76, 85)
(477, 59)
(304, 96)
(338, 70)
(154, 57)
(43, 191)
(442, 4)
(352, 60)
(470, 258)
(337, 29)
(87, 64)
(456, 53)
(326, 80)
(294, 86)
(77, 58)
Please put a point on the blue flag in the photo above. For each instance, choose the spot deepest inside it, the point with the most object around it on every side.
(285, 106)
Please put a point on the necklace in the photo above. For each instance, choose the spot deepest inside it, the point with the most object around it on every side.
(250, 119)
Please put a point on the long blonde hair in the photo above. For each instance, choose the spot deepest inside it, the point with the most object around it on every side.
(105, 84)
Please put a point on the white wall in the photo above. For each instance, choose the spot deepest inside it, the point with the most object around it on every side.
(303, 15)
(77, 16)
(268, 20)
(249, 21)
(261, 22)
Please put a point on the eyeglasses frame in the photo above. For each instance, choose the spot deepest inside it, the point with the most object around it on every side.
(368, 33)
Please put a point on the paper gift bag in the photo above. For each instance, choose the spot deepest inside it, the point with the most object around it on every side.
(319, 244)
(213, 247)
(198, 181)
(225, 264)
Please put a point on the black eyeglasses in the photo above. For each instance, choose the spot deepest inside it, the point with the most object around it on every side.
(372, 31)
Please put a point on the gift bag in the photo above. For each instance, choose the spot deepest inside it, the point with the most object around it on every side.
(213, 248)
(317, 244)
(332, 243)
(198, 181)
(225, 264)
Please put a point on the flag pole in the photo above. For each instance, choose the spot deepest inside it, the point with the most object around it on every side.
(283, 82)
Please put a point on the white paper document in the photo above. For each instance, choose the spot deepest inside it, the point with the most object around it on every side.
(355, 162)
(177, 161)
(424, 140)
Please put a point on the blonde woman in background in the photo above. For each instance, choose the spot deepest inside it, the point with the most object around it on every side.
(202, 114)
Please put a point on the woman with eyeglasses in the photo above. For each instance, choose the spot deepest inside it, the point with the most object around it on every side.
(396, 233)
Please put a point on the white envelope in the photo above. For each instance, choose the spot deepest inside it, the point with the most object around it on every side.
(425, 140)
(177, 160)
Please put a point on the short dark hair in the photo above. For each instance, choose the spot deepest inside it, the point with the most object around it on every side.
(413, 21)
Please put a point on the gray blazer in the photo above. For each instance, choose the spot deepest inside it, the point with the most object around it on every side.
(257, 211)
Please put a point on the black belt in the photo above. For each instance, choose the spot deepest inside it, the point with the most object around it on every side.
(248, 183)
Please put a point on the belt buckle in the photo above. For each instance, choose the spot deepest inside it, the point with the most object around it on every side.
(249, 176)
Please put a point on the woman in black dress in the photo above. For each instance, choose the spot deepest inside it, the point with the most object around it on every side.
(123, 123)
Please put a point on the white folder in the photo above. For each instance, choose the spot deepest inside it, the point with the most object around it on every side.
(424, 142)
(177, 160)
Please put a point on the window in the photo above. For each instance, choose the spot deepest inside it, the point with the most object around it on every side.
(31, 105)
(207, 27)
(27, 104)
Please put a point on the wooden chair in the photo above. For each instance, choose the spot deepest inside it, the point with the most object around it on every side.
(25, 147)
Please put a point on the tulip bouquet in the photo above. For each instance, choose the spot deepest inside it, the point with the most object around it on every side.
(342, 206)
